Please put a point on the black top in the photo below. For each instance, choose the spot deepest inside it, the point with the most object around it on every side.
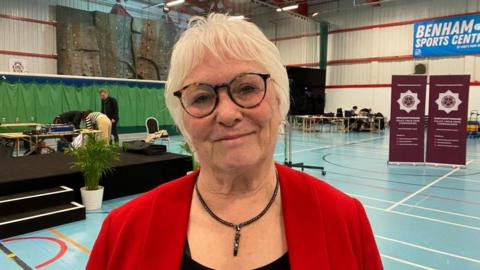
(188, 263)
(72, 117)
(110, 108)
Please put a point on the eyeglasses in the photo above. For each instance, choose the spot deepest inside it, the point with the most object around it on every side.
(246, 90)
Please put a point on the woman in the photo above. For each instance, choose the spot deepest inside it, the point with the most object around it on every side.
(228, 93)
(99, 121)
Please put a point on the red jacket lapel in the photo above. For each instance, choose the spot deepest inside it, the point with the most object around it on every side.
(167, 230)
(303, 225)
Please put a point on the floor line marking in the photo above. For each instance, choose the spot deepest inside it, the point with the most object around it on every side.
(424, 188)
(428, 249)
(401, 191)
(406, 262)
(70, 240)
(422, 217)
(15, 258)
(333, 145)
(417, 206)
(465, 180)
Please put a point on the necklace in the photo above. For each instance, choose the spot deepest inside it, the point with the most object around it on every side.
(237, 227)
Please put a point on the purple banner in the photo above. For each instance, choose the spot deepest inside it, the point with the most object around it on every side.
(447, 119)
(407, 119)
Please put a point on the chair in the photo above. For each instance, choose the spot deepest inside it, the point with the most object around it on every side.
(154, 132)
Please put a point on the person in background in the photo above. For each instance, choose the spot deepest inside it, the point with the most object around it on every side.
(354, 111)
(110, 109)
(70, 118)
(98, 121)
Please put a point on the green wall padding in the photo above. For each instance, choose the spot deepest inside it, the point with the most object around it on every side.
(41, 102)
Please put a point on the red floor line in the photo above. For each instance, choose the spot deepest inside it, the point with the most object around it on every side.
(61, 252)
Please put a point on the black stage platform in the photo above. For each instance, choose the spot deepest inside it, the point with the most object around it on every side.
(133, 174)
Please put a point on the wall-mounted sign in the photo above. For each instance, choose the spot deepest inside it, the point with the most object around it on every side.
(448, 36)
(17, 65)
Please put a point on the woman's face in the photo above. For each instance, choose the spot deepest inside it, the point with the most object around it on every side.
(233, 137)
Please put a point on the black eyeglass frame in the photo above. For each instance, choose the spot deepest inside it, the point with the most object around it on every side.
(227, 85)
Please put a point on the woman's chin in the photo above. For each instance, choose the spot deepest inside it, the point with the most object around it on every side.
(235, 160)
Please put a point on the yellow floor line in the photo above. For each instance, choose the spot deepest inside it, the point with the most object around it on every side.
(69, 240)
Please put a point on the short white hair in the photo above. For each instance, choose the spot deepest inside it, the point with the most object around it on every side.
(223, 37)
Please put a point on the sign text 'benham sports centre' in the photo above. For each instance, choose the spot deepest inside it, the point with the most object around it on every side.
(447, 36)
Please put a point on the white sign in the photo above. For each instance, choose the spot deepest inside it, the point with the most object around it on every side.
(17, 65)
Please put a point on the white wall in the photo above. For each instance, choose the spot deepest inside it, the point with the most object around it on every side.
(293, 51)
(388, 41)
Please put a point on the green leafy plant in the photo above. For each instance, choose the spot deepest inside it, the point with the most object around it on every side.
(94, 159)
(186, 149)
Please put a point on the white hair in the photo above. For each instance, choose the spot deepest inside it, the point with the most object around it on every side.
(222, 37)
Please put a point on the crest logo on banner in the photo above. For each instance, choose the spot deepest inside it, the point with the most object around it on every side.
(448, 101)
(408, 101)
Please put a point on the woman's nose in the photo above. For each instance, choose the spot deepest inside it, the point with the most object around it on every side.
(227, 113)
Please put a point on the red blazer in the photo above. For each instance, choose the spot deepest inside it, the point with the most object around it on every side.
(325, 228)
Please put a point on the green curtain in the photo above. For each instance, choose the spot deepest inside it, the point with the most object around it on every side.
(41, 102)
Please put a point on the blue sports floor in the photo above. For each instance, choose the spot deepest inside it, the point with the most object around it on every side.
(423, 217)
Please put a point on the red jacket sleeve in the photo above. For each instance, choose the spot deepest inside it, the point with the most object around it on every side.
(370, 255)
(99, 257)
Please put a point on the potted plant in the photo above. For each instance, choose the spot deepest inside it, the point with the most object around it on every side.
(186, 149)
(93, 159)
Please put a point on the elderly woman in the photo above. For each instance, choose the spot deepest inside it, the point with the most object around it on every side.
(228, 93)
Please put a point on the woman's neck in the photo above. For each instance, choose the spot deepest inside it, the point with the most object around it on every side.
(239, 184)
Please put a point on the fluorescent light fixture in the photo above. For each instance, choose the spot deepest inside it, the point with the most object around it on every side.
(239, 17)
(175, 3)
(315, 14)
(287, 8)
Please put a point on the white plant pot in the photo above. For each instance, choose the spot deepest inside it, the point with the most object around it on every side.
(92, 199)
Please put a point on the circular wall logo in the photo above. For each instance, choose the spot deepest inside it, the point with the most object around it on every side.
(18, 67)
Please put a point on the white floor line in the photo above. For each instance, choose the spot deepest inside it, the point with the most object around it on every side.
(417, 206)
(332, 145)
(425, 187)
(428, 249)
(406, 262)
(466, 180)
(424, 218)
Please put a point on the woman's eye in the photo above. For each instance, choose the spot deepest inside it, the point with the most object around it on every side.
(201, 99)
(244, 90)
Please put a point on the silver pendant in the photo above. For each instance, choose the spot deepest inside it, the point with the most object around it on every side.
(236, 242)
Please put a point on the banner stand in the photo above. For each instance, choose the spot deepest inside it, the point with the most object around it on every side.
(405, 163)
(407, 119)
(445, 165)
(426, 164)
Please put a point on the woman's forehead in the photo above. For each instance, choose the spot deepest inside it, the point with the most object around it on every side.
(216, 72)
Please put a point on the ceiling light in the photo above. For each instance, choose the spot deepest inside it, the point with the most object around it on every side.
(175, 3)
(315, 14)
(289, 7)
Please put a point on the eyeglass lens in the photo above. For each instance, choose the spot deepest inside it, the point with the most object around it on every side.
(246, 91)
